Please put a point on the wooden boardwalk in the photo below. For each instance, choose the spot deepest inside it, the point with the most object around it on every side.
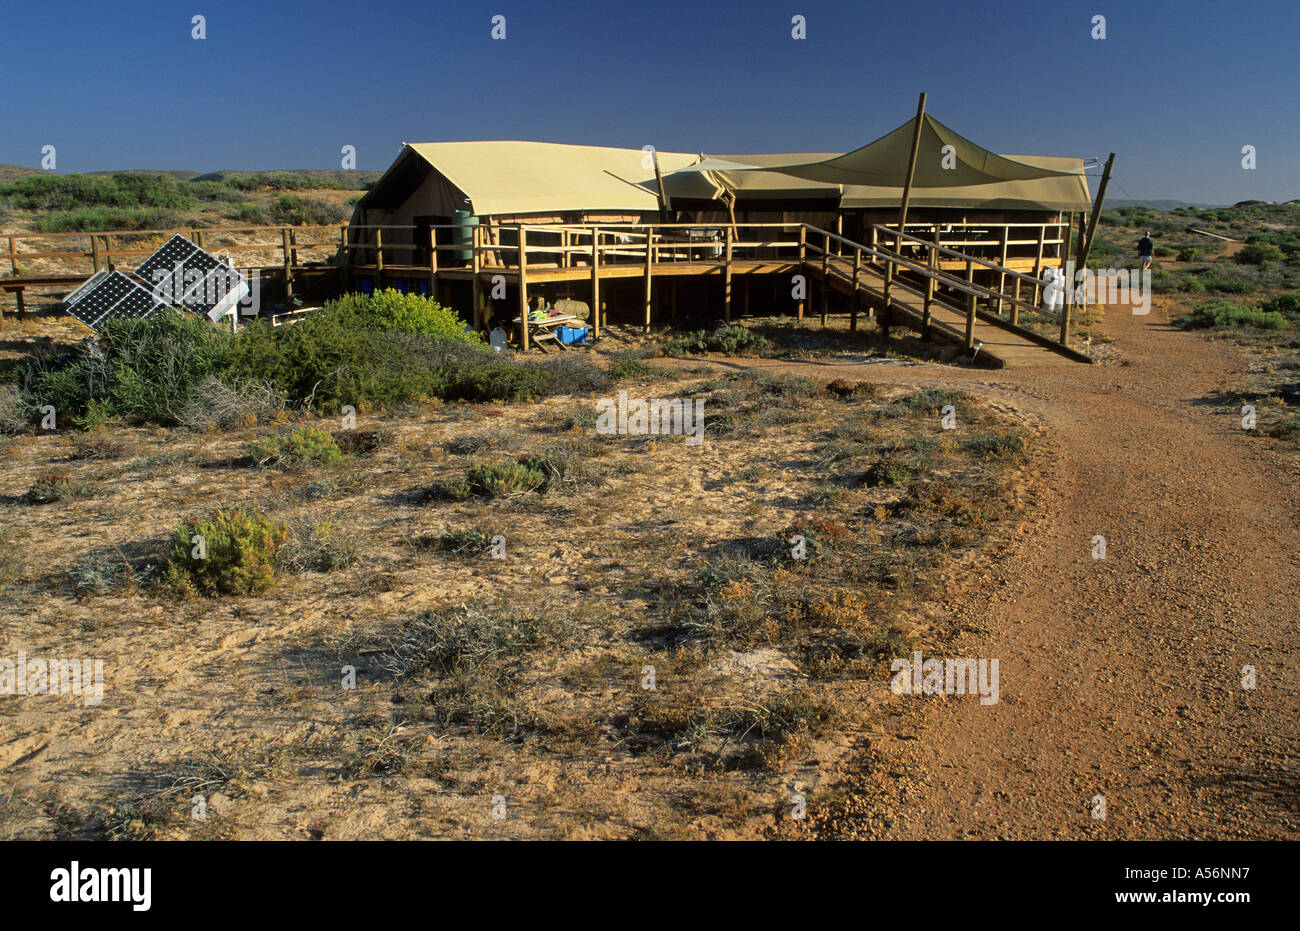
(900, 278)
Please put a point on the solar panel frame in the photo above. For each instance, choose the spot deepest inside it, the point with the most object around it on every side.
(110, 295)
(205, 296)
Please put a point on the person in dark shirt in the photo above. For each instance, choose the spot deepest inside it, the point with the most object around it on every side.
(1146, 249)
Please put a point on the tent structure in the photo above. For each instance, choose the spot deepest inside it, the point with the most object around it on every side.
(542, 179)
(953, 172)
(512, 178)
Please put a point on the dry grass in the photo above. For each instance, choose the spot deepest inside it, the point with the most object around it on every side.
(398, 675)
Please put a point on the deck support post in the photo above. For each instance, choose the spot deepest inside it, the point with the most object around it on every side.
(649, 283)
(826, 291)
(288, 267)
(803, 255)
(726, 275)
(476, 286)
(595, 282)
(926, 312)
(970, 306)
(523, 291)
(433, 273)
(853, 304)
(1038, 264)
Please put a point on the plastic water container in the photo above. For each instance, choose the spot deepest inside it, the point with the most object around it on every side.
(497, 339)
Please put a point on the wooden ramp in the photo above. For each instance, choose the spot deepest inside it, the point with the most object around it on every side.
(1000, 342)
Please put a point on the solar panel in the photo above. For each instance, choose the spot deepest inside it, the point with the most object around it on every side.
(184, 275)
(110, 296)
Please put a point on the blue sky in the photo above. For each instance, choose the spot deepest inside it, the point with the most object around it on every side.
(1176, 89)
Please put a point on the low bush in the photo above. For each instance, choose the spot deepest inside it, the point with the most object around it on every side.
(234, 553)
(729, 339)
(1259, 253)
(142, 371)
(496, 480)
(54, 486)
(1225, 314)
(15, 411)
(887, 471)
(318, 546)
(392, 310)
(300, 446)
(1287, 304)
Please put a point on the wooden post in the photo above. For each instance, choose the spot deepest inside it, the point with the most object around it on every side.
(803, 253)
(1038, 263)
(907, 192)
(476, 283)
(1015, 307)
(595, 281)
(288, 268)
(13, 257)
(94, 251)
(853, 303)
(970, 306)
(523, 291)
(345, 257)
(433, 270)
(826, 292)
(926, 312)
(726, 276)
(1078, 264)
(564, 248)
(108, 252)
(1002, 275)
(379, 253)
(649, 259)
(1065, 321)
(1096, 209)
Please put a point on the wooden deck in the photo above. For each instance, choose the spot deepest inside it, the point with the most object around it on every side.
(903, 279)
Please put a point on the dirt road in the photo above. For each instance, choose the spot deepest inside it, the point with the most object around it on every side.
(1119, 677)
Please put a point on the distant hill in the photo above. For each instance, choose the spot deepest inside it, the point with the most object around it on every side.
(14, 172)
(333, 176)
(1164, 204)
(178, 175)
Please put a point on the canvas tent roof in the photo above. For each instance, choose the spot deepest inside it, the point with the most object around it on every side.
(874, 174)
(534, 177)
(514, 177)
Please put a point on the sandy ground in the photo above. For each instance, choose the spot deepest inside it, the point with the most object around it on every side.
(1120, 678)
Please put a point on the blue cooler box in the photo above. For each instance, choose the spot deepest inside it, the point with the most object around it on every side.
(571, 335)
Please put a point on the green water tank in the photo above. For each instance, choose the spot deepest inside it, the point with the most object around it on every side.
(463, 234)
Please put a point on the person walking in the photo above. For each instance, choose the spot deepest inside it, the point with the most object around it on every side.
(1146, 249)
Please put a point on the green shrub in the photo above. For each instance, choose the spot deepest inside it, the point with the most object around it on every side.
(105, 219)
(1229, 315)
(1230, 284)
(497, 480)
(887, 471)
(411, 313)
(729, 339)
(1259, 253)
(301, 445)
(141, 370)
(1286, 430)
(241, 548)
(1189, 254)
(1286, 304)
(292, 210)
(54, 486)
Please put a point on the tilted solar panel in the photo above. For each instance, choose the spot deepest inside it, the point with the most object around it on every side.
(110, 296)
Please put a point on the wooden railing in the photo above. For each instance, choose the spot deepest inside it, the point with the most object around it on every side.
(931, 268)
